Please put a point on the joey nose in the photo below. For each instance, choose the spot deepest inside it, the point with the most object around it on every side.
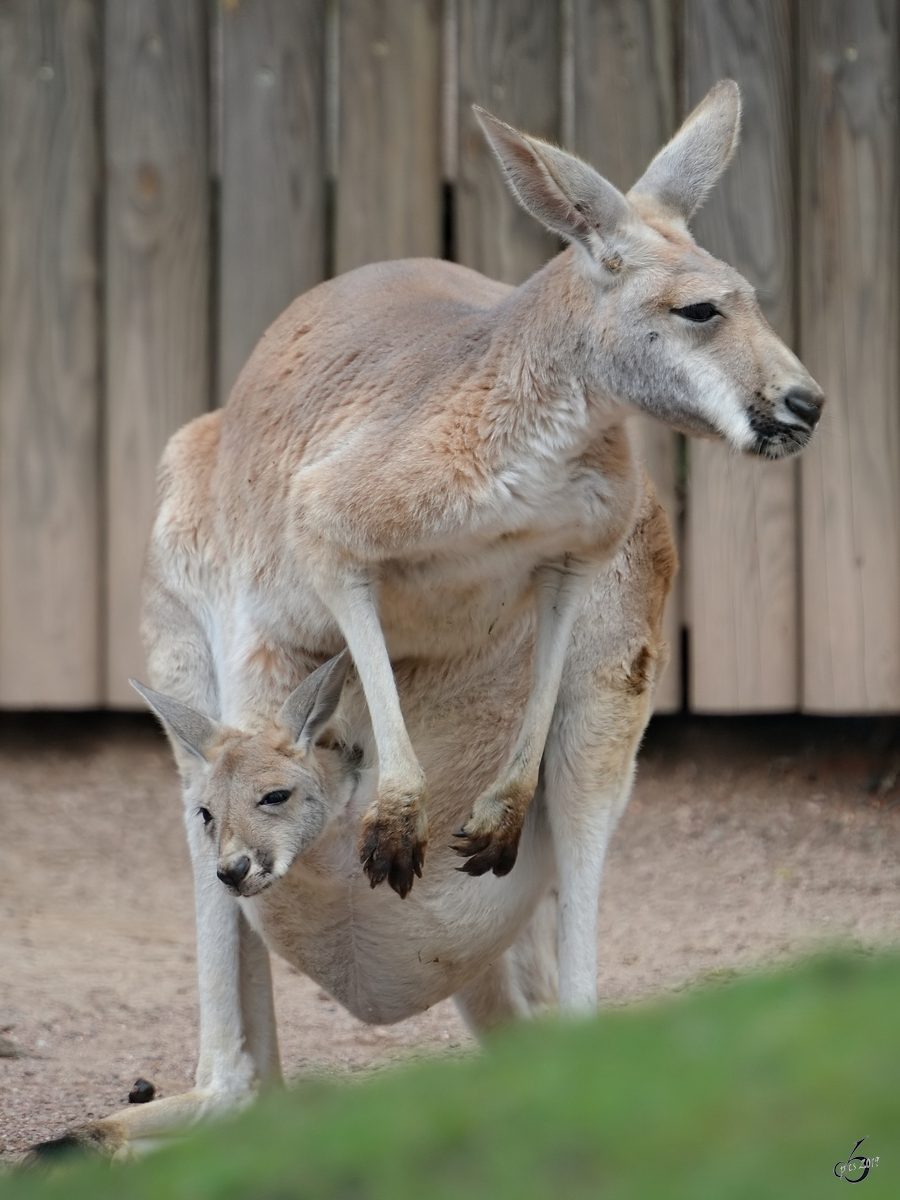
(805, 404)
(236, 873)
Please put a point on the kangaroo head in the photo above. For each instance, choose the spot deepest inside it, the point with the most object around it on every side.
(653, 321)
(262, 799)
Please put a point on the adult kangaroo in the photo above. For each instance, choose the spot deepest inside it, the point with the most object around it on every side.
(433, 470)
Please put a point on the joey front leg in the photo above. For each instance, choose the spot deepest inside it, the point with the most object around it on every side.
(238, 1045)
(394, 830)
(238, 1042)
(490, 837)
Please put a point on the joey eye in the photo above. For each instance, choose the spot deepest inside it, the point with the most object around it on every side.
(278, 797)
(205, 814)
(699, 313)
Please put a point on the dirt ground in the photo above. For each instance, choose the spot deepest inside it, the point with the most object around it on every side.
(747, 841)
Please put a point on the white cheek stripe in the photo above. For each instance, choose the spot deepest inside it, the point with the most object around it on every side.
(719, 403)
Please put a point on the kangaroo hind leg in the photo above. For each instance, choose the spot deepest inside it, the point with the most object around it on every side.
(614, 658)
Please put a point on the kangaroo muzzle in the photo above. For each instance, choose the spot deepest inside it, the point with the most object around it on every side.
(805, 404)
(234, 874)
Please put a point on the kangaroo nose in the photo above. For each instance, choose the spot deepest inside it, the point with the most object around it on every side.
(804, 404)
(234, 874)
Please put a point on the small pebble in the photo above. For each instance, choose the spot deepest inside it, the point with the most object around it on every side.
(9, 1049)
(142, 1092)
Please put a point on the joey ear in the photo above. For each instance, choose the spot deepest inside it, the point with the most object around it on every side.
(193, 730)
(565, 194)
(683, 172)
(310, 707)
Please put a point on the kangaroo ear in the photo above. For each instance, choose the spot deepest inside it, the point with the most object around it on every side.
(683, 172)
(564, 193)
(310, 707)
(191, 729)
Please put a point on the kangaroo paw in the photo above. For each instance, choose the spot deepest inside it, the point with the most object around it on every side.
(392, 846)
(490, 837)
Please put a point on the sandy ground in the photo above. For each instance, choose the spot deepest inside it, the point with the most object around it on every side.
(746, 841)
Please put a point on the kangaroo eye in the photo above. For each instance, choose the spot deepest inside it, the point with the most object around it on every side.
(205, 814)
(700, 313)
(275, 797)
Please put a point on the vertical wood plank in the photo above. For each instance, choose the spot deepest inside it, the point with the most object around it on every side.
(624, 108)
(273, 152)
(389, 173)
(742, 569)
(850, 341)
(157, 280)
(509, 63)
(49, 356)
(626, 96)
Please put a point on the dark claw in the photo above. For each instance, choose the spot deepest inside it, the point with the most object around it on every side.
(475, 867)
(375, 868)
(400, 878)
(499, 859)
(506, 860)
(460, 833)
(376, 874)
(474, 845)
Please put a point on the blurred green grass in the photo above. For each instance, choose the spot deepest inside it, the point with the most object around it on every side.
(753, 1088)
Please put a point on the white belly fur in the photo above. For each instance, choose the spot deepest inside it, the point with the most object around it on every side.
(385, 959)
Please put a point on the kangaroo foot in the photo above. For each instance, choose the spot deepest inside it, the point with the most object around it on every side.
(94, 1138)
(135, 1131)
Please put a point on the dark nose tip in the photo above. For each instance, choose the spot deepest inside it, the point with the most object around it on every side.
(236, 872)
(805, 404)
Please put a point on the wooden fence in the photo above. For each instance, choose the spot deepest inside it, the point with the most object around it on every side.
(173, 172)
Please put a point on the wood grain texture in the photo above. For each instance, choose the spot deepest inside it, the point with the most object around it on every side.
(624, 109)
(509, 62)
(49, 354)
(157, 281)
(741, 562)
(850, 341)
(626, 103)
(273, 150)
(389, 173)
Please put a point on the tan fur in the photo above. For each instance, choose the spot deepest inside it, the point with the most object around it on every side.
(414, 456)
(489, 942)
(434, 470)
